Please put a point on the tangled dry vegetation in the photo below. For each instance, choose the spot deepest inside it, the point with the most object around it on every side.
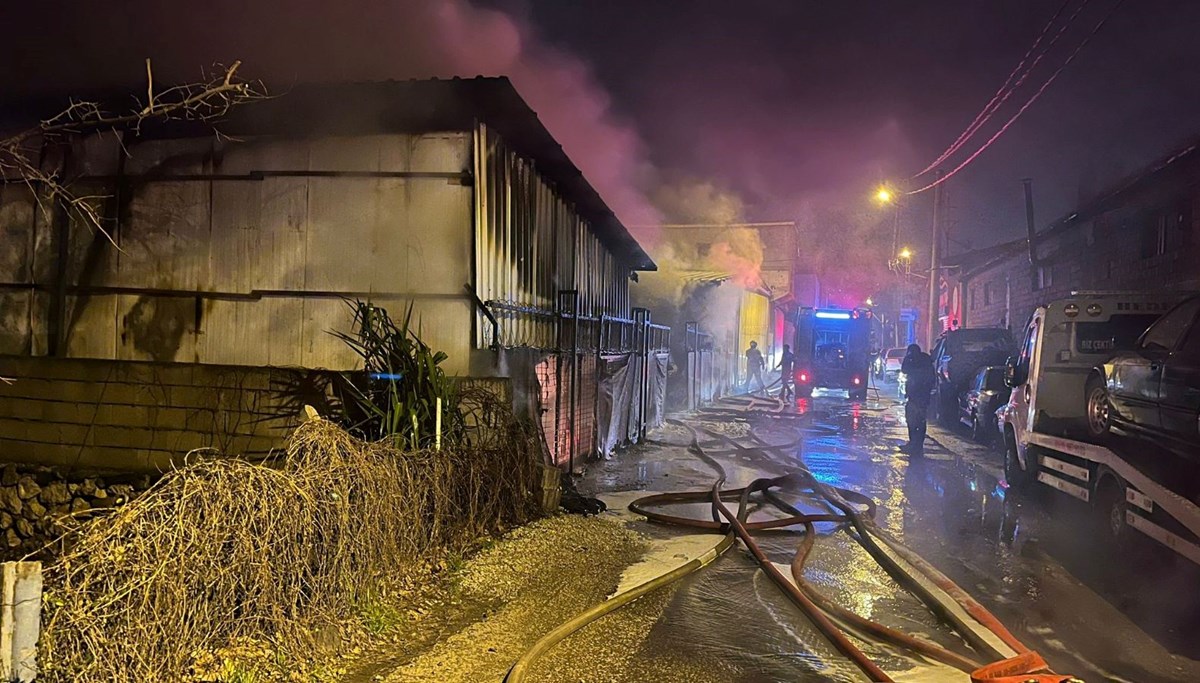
(221, 551)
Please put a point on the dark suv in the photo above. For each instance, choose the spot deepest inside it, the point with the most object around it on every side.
(1154, 390)
(957, 357)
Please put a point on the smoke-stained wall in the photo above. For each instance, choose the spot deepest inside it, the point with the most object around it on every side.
(243, 253)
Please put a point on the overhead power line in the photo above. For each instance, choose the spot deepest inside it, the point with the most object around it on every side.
(1024, 107)
(1016, 78)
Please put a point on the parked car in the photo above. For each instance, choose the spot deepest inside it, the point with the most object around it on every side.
(891, 361)
(1153, 391)
(977, 406)
(957, 357)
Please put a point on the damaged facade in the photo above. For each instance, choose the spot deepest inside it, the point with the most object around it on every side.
(232, 259)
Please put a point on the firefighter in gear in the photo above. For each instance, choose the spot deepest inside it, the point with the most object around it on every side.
(918, 390)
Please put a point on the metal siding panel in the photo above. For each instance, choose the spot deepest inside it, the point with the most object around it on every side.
(277, 258)
(283, 320)
(319, 348)
(17, 206)
(15, 322)
(236, 235)
(439, 153)
(181, 156)
(341, 227)
(247, 156)
(145, 327)
(236, 333)
(165, 244)
(94, 333)
(436, 237)
(350, 153)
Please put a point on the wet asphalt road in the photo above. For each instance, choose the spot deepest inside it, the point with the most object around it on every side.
(1093, 610)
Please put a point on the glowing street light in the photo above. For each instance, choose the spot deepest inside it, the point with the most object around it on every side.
(884, 195)
(869, 302)
(905, 253)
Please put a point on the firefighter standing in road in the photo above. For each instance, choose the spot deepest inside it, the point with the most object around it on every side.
(754, 366)
(918, 388)
(787, 363)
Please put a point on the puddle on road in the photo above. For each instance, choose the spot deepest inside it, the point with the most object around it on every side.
(1024, 557)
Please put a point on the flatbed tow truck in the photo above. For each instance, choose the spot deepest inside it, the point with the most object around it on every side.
(1128, 484)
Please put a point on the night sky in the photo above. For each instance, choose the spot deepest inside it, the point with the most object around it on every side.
(787, 109)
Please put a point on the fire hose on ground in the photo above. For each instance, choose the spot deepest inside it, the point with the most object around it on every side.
(1013, 662)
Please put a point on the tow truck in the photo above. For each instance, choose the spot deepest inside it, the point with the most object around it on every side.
(832, 348)
(1128, 484)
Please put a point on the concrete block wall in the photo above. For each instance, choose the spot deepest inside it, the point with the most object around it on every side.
(102, 415)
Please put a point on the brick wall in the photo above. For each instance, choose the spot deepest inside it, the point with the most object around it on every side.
(556, 409)
(1115, 250)
(134, 416)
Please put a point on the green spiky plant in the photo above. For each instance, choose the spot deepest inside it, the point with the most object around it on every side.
(395, 395)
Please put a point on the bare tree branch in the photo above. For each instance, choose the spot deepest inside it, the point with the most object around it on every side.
(206, 100)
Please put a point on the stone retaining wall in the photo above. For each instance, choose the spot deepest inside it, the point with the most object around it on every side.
(38, 504)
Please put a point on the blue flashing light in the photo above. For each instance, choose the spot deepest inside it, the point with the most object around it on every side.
(833, 315)
(393, 376)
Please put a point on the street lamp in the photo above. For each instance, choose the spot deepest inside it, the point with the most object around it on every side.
(883, 195)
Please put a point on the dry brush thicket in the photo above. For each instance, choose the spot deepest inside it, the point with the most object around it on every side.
(221, 550)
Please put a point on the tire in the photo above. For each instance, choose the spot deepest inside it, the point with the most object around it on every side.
(1097, 409)
(1108, 506)
(1019, 478)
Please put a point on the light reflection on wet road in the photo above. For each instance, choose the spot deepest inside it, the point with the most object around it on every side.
(1097, 612)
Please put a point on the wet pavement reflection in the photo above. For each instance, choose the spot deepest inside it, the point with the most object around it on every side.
(1097, 611)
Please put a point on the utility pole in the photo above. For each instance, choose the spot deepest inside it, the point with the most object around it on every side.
(934, 264)
(1031, 231)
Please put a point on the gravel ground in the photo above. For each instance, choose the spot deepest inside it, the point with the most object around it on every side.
(534, 579)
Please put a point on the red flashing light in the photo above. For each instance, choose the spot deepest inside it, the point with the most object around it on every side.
(854, 315)
(802, 376)
(857, 381)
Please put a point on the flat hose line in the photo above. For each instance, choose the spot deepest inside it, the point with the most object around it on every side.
(841, 504)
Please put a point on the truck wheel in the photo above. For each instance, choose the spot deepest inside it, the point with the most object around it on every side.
(1098, 409)
(1109, 508)
(1019, 478)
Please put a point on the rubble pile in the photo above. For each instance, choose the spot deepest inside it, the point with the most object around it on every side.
(38, 505)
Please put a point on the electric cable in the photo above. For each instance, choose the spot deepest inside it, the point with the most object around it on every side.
(1015, 79)
(1024, 107)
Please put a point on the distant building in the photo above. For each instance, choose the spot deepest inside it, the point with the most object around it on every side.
(235, 256)
(1140, 234)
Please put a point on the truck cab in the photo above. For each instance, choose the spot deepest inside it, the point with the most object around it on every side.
(1060, 346)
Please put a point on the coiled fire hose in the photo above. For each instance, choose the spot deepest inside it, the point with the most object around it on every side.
(849, 509)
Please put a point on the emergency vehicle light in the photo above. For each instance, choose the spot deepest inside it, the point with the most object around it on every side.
(832, 315)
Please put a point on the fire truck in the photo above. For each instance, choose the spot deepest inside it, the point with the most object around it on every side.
(832, 347)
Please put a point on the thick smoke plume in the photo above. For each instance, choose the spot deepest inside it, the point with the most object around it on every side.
(314, 40)
(349, 40)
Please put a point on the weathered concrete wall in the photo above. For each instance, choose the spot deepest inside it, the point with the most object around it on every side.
(91, 415)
